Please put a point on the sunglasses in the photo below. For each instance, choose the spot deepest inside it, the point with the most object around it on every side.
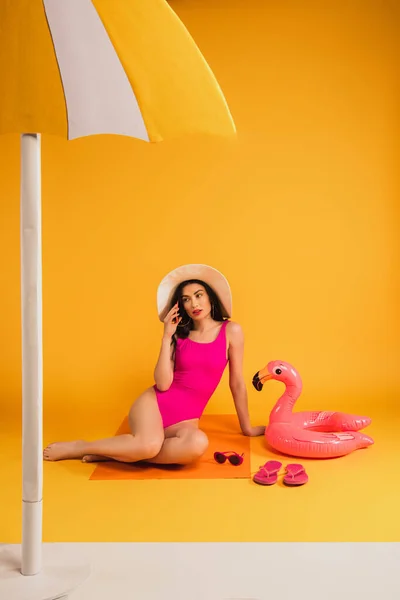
(234, 458)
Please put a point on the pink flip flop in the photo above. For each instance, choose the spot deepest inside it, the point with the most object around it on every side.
(268, 473)
(295, 475)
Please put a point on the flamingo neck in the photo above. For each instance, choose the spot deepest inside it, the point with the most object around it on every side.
(282, 411)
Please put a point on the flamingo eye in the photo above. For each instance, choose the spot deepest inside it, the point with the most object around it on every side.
(278, 371)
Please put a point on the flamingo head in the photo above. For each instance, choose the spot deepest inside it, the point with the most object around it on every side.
(280, 371)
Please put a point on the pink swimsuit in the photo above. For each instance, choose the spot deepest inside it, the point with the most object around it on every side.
(198, 371)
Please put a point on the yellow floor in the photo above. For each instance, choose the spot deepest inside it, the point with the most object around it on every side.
(355, 498)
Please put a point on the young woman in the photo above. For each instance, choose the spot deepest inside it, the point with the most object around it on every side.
(199, 341)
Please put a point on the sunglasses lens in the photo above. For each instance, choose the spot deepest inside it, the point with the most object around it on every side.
(235, 460)
(220, 458)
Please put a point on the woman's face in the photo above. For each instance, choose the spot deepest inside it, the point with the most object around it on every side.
(195, 301)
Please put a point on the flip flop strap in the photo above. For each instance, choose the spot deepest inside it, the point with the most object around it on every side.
(294, 473)
(269, 473)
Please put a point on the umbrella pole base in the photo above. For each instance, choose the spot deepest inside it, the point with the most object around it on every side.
(61, 576)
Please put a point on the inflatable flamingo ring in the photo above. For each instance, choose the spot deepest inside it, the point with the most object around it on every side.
(318, 434)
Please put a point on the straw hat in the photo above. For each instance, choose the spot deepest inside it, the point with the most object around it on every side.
(209, 275)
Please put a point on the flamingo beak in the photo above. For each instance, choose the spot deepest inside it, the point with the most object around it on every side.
(260, 378)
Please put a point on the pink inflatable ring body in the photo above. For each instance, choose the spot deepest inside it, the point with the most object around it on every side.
(311, 434)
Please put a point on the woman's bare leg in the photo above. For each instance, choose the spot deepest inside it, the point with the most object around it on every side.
(183, 444)
(143, 443)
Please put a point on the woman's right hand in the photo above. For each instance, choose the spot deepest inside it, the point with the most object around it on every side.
(171, 321)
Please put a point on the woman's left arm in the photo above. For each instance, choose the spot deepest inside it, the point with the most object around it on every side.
(236, 379)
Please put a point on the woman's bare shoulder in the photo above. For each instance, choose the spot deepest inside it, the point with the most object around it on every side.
(234, 331)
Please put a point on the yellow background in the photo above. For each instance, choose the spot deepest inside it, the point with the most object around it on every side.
(300, 214)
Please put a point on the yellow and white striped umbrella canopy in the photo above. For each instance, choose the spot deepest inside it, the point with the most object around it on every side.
(83, 67)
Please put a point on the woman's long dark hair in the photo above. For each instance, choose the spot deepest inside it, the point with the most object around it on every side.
(182, 331)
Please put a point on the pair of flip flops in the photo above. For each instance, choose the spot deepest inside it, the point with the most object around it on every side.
(268, 474)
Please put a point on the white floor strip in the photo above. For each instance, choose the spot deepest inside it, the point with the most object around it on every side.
(228, 571)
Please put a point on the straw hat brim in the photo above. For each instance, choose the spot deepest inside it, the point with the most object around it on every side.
(209, 275)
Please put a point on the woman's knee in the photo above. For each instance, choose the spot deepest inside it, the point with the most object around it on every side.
(149, 447)
(197, 443)
(138, 448)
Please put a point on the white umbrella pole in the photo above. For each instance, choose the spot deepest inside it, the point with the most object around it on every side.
(64, 570)
(32, 354)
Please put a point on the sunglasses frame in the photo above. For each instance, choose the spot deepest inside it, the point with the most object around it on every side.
(233, 455)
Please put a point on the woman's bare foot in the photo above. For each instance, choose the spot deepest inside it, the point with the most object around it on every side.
(64, 450)
(88, 458)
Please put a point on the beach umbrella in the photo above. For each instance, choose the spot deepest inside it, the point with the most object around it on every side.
(77, 68)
